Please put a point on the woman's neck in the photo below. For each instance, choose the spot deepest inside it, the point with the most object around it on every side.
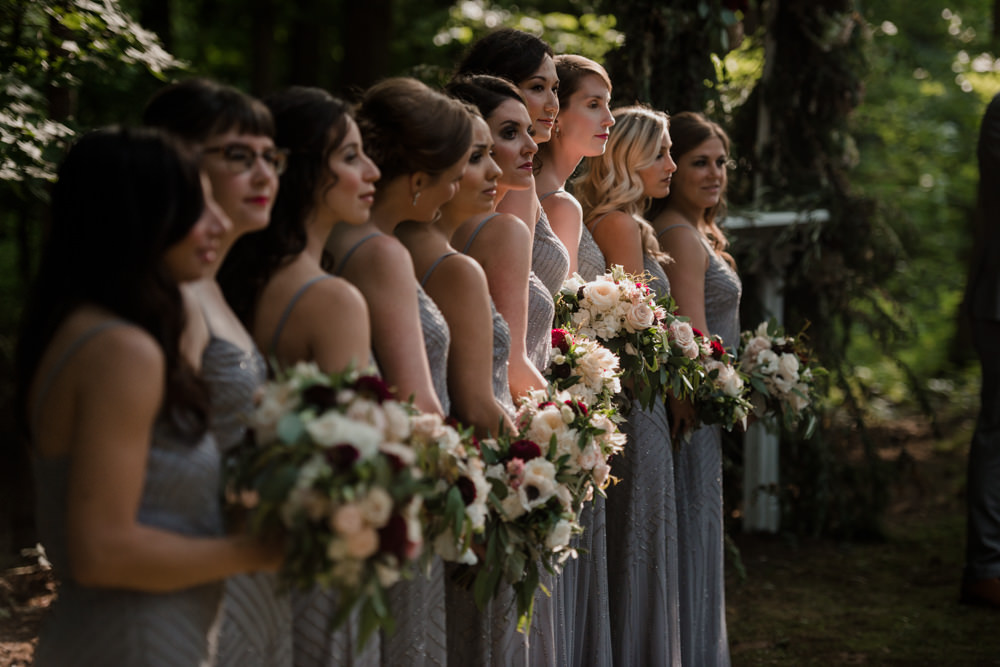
(557, 166)
(317, 232)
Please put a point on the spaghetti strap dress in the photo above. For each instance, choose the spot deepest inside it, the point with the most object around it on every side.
(642, 533)
(313, 643)
(100, 626)
(698, 475)
(257, 612)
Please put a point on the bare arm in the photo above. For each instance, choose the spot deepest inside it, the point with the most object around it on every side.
(687, 273)
(383, 271)
(566, 219)
(503, 249)
(460, 290)
(117, 400)
(618, 237)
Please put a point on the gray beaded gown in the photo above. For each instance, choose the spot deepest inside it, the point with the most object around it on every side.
(418, 605)
(642, 536)
(313, 643)
(99, 626)
(698, 475)
(583, 585)
(257, 614)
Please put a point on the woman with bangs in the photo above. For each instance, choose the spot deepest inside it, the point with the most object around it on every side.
(419, 139)
(707, 289)
(126, 467)
(233, 134)
(277, 282)
(641, 510)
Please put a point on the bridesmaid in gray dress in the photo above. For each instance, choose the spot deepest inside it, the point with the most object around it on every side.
(641, 509)
(419, 138)
(276, 283)
(228, 125)
(581, 131)
(127, 471)
(707, 289)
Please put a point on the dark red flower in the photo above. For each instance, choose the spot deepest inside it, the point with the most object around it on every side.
(717, 349)
(560, 339)
(467, 489)
(697, 332)
(578, 406)
(524, 450)
(342, 455)
(393, 538)
(544, 405)
(320, 396)
(560, 371)
(374, 387)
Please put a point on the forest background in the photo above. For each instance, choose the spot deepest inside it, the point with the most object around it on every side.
(868, 110)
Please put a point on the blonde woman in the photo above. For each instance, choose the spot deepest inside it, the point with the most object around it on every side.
(641, 511)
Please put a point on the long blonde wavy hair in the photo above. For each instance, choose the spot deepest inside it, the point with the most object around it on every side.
(611, 182)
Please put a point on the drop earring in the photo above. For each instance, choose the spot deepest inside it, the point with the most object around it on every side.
(416, 197)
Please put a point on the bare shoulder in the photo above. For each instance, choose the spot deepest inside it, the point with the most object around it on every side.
(121, 356)
(506, 228)
(337, 294)
(681, 239)
(562, 205)
(459, 272)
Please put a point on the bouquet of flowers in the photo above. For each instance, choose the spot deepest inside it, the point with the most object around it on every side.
(720, 398)
(782, 375)
(531, 522)
(585, 368)
(457, 507)
(328, 466)
(620, 311)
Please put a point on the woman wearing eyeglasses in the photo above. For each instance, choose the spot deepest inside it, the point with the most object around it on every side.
(232, 134)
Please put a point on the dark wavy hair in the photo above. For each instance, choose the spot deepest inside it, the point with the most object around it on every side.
(311, 123)
(508, 53)
(484, 91)
(123, 197)
(197, 109)
(408, 127)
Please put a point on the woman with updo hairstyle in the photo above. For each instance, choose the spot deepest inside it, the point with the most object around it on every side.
(127, 470)
(501, 243)
(420, 139)
(527, 61)
(641, 510)
(233, 133)
(276, 281)
(707, 289)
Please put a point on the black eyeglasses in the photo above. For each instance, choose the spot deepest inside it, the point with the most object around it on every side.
(239, 158)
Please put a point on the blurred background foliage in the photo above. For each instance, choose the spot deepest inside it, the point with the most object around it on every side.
(869, 110)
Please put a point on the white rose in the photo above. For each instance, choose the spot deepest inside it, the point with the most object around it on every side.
(682, 336)
(403, 452)
(639, 317)
(602, 294)
(573, 284)
(788, 366)
(538, 483)
(767, 362)
(797, 402)
(333, 428)
(729, 381)
(754, 347)
(512, 507)
(559, 536)
(397, 421)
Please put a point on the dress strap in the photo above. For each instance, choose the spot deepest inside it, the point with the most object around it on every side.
(551, 192)
(674, 226)
(67, 354)
(475, 232)
(701, 237)
(427, 274)
(592, 225)
(343, 262)
(288, 311)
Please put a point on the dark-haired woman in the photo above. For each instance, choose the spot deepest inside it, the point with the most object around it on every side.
(296, 311)
(501, 243)
(127, 472)
(708, 290)
(232, 132)
(419, 139)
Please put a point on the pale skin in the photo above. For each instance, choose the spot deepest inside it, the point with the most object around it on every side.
(99, 412)
(583, 126)
(382, 269)
(311, 333)
(459, 287)
(503, 246)
(541, 93)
